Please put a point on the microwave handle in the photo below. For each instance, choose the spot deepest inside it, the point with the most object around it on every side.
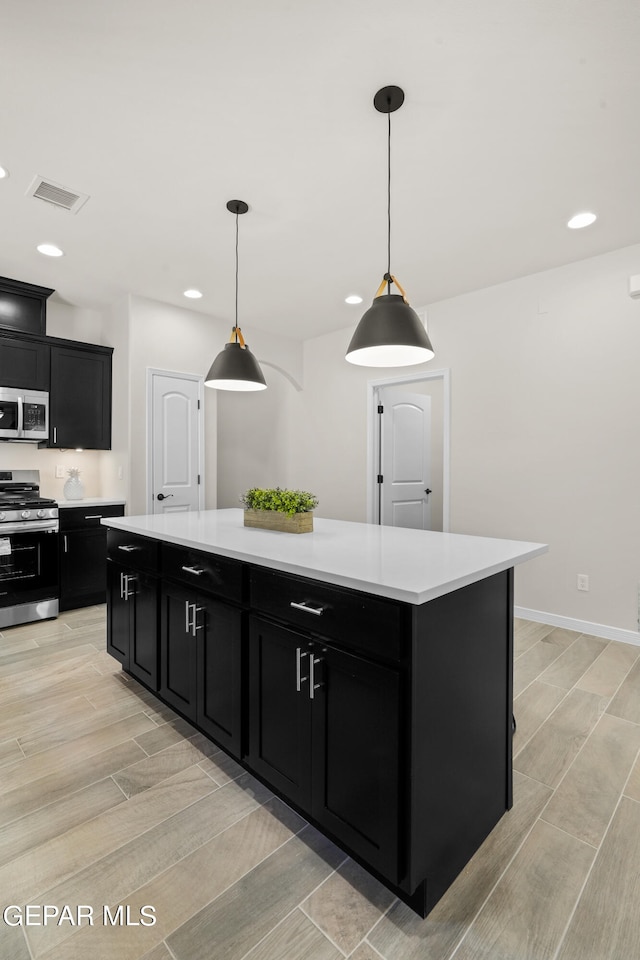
(20, 416)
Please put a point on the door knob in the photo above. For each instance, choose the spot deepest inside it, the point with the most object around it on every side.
(426, 491)
(164, 496)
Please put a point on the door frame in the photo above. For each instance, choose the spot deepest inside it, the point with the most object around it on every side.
(373, 386)
(176, 375)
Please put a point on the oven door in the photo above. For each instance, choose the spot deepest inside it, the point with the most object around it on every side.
(28, 566)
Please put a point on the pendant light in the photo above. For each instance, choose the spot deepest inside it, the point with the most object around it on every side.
(390, 333)
(235, 367)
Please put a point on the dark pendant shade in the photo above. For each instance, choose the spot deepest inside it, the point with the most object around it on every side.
(390, 334)
(235, 368)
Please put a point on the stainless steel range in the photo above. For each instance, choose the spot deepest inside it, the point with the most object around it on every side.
(29, 581)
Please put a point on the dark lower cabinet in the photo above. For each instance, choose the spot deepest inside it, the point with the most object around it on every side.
(201, 644)
(83, 554)
(324, 730)
(132, 621)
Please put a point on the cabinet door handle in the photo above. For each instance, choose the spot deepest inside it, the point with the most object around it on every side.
(195, 626)
(55, 434)
(122, 586)
(195, 570)
(128, 547)
(316, 611)
(66, 544)
(313, 686)
(187, 617)
(128, 580)
(300, 653)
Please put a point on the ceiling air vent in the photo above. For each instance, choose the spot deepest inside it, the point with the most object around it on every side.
(55, 193)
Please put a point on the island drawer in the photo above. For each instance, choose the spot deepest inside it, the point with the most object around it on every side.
(128, 548)
(205, 571)
(349, 617)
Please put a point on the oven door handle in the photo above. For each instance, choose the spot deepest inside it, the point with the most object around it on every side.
(33, 526)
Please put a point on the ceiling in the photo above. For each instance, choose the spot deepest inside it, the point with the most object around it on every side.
(518, 113)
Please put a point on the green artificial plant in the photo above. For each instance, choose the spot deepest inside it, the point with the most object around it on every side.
(283, 501)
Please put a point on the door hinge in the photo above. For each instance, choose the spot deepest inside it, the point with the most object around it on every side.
(380, 408)
(380, 478)
(198, 478)
(198, 404)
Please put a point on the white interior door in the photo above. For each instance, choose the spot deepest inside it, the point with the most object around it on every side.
(175, 435)
(405, 460)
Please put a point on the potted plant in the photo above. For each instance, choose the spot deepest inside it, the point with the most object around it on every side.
(274, 509)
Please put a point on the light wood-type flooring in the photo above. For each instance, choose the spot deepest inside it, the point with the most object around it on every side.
(108, 798)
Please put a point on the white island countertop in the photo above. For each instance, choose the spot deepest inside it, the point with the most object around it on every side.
(410, 565)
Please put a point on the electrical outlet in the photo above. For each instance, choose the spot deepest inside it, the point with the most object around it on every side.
(59, 472)
(120, 473)
(583, 581)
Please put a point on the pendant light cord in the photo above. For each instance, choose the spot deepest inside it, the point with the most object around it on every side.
(389, 206)
(236, 327)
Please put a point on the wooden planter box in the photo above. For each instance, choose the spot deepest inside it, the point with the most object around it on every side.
(273, 520)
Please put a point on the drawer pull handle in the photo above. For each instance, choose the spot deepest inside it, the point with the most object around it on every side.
(195, 570)
(299, 678)
(316, 611)
(128, 548)
(93, 516)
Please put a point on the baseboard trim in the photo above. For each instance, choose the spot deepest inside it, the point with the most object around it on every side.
(582, 626)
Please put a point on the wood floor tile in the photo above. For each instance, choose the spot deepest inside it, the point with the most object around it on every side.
(82, 748)
(526, 915)
(13, 945)
(632, 788)
(585, 800)
(165, 735)
(64, 651)
(190, 884)
(526, 633)
(15, 646)
(158, 953)
(402, 935)
(538, 657)
(48, 865)
(347, 905)
(46, 628)
(144, 774)
(626, 703)
(39, 793)
(221, 768)
(574, 662)
(10, 752)
(609, 670)
(552, 750)
(238, 919)
(67, 727)
(296, 938)
(365, 952)
(532, 708)
(56, 818)
(123, 871)
(606, 923)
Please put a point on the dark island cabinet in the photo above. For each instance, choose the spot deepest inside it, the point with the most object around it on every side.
(83, 554)
(132, 605)
(324, 732)
(80, 401)
(201, 645)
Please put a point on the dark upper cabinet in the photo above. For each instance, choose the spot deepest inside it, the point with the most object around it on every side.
(23, 307)
(80, 398)
(24, 363)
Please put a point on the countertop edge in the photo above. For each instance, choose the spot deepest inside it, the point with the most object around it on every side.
(529, 552)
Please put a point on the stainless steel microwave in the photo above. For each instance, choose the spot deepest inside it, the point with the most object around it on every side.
(24, 414)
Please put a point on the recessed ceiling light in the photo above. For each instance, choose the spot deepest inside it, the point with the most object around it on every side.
(192, 294)
(581, 220)
(50, 250)
(353, 298)
(3, 173)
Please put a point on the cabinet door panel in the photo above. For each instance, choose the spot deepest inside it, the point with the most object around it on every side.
(219, 666)
(280, 716)
(143, 655)
(80, 398)
(24, 363)
(356, 750)
(83, 567)
(118, 628)
(177, 651)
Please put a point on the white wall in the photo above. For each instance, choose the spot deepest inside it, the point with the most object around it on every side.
(544, 444)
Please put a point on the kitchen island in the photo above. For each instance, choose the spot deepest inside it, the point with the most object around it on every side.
(363, 673)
